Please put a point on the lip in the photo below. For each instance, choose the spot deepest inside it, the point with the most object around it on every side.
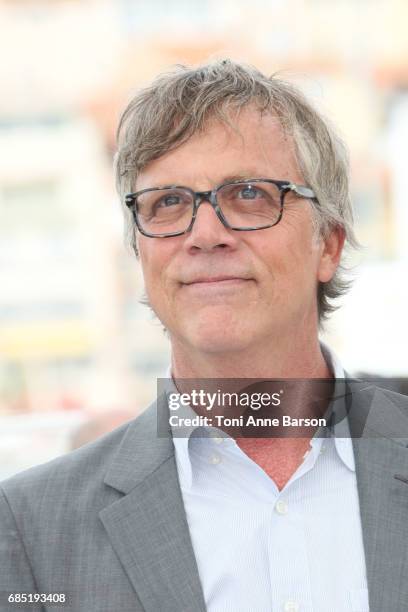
(209, 280)
(224, 283)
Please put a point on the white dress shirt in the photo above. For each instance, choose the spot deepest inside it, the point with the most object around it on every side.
(259, 549)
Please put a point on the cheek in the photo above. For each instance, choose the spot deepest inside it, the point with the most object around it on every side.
(150, 263)
(290, 265)
(155, 258)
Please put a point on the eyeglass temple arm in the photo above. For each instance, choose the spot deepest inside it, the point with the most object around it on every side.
(302, 191)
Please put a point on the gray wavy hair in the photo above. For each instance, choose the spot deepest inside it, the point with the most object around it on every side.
(179, 103)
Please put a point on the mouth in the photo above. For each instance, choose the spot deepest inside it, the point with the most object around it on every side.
(214, 279)
(220, 282)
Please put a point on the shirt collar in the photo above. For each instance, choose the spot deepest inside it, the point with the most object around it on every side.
(339, 429)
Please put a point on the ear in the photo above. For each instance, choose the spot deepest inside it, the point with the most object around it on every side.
(331, 249)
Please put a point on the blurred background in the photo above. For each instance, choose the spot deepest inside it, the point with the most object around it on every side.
(78, 353)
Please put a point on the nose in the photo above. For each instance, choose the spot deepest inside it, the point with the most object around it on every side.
(208, 231)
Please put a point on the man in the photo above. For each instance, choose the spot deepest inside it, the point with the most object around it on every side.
(237, 199)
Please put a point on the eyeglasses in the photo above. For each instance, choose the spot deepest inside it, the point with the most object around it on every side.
(248, 205)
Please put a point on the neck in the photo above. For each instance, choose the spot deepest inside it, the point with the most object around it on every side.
(297, 359)
(301, 358)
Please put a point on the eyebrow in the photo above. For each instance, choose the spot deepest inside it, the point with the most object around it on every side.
(241, 176)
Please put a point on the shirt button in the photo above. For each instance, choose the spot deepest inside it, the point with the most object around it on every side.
(281, 507)
(322, 450)
(291, 606)
(217, 440)
(215, 459)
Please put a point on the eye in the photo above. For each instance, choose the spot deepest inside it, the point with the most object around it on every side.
(171, 199)
(249, 192)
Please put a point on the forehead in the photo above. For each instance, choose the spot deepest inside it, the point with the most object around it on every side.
(251, 145)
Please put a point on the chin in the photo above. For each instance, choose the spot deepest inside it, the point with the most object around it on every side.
(217, 336)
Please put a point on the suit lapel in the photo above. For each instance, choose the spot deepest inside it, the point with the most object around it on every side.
(380, 454)
(147, 527)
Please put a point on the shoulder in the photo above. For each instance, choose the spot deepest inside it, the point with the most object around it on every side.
(374, 410)
(376, 388)
(77, 479)
(397, 398)
(377, 392)
(394, 409)
(79, 473)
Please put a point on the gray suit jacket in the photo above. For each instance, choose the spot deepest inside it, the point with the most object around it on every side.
(106, 525)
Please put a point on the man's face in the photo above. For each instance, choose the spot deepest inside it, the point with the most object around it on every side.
(276, 270)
